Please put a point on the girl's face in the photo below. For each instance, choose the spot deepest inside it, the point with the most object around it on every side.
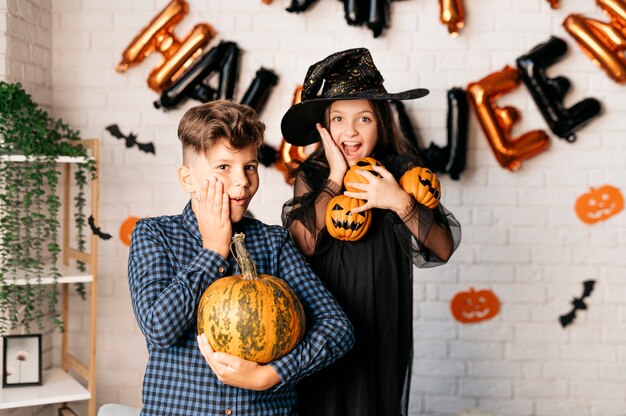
(353, 127)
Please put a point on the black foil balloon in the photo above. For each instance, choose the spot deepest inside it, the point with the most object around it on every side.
(451, 158)
(404, 123)
(377, 16)
(548, 93)
(355, 11)
(229, 72)
(298, 6)
(190, 83)
(259, 89)
(458, 111)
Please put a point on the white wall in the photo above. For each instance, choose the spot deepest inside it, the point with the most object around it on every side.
(521, 237)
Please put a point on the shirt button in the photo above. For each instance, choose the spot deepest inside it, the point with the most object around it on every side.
(228, 412)
(221, 270)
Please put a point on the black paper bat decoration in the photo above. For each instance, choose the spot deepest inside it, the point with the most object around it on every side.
(131, 139)
(96, 230)
(578, 303)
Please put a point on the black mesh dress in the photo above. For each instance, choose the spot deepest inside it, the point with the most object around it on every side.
(372, 281)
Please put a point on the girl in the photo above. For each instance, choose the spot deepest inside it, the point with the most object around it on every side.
(372, 277)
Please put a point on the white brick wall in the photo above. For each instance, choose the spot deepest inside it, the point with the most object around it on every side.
(521, 237)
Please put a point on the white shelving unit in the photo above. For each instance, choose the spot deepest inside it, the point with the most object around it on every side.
(74, 380)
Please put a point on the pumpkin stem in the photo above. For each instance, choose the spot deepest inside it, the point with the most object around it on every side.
(242, 255)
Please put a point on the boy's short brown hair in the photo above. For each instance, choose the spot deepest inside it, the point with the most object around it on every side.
(202, 125)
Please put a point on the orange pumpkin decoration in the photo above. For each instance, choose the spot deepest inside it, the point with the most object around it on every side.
(344, 225)
(364, 163)
(474, 306)
(423, 184)
(254, 316)
(126, 229)
(599, 204)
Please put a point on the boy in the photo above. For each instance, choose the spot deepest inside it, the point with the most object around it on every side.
(173, 259)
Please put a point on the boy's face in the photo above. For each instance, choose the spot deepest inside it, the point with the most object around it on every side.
(236, 169)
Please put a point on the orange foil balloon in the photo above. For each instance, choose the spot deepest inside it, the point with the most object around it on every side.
(452, 15)
(126, 229)
(170, 68)
(288, 155)
(159, 36)
(599, 204)
(497, 122)
(603, 43)
(158, 32)
(554, 4)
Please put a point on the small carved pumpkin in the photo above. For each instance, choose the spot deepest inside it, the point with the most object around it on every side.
(254, 316)
(599, 204)
(344, 225)
(423, 184)
(364, 163)
(474, 306)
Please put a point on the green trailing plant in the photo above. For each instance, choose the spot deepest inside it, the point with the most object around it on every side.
(29, 208)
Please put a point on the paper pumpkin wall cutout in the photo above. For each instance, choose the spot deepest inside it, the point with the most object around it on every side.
(159, 36)
(602, 42)
(126, 230)
(577, 303)
(474, 306)
(599, 204)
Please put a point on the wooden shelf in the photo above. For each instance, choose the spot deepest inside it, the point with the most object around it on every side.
(69, 274)
(60, 159)
(57, 387)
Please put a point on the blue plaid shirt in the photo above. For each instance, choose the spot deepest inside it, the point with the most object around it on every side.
(168, 271)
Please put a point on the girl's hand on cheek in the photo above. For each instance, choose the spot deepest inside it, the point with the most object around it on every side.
(212, 209)
(336, 161)
(382, 192)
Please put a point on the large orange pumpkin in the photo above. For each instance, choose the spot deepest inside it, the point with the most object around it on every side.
(342, 223)
(364, 163)
(599, 204)
(474, 306)
(423, 184)
(254, 316)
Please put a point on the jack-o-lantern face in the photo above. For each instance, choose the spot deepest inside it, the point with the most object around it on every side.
(364, 163)
(599, 204)
(342, 223)
(423, 184)
(474, 306)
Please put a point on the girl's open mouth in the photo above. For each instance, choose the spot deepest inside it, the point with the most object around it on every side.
(350, 148)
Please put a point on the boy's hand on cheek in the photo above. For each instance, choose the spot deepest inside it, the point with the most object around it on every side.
(212, 209)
